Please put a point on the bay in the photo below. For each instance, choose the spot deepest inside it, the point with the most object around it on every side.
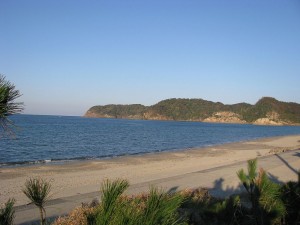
(42, 139)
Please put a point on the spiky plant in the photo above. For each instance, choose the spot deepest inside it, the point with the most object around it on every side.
(155, 208)
(7, 213)
(227, 211)
(161, 208)
(264, 195)
(110, 192)
(270, 200)
(291, 197)
(8, 106)
(248, 181)
(38, 190)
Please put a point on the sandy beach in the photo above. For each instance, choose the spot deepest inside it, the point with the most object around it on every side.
(212, 167)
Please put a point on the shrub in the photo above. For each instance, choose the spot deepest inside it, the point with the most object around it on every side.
(77, 216)
(157, 207)
(264, 195)
(7, 213)
(202, 208)
(291, 198)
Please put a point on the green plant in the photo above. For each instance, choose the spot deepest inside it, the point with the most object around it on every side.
(38, 190)
(8, 107)
(202, 208)
(157, 207)
(195, 205)
(7, 213)
(160, 208)
(264, 195)
(291, 198)
(110, 192)
(228, 211)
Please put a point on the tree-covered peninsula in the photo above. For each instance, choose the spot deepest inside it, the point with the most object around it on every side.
(267, 111)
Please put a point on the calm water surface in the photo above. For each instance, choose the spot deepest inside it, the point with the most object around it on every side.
(43, 139)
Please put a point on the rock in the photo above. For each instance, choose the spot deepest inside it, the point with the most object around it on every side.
(224, 117)
(267, 121)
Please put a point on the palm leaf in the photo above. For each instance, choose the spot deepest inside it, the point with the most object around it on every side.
(8, 106)
(37, 190)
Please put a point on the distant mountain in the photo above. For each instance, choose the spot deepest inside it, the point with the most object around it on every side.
(267, 111)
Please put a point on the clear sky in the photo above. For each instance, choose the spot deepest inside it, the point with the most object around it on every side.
(66, 56)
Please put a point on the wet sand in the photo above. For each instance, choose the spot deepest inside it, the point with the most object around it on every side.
(213, 167)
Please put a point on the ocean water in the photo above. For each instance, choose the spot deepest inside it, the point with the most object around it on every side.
(43, 139)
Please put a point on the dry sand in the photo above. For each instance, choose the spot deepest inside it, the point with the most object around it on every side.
(213, 167)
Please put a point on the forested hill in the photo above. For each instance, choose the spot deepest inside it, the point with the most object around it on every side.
(267, 110)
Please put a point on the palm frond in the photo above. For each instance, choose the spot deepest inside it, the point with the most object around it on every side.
(37, 190)
(8, 106)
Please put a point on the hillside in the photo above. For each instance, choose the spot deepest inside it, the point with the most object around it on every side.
(267, 111)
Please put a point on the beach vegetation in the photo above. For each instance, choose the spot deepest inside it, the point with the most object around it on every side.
(38, 190)
(290, 195)
(202, 208)
(155, 207)
(7, 213)
(8, 106)
(78, 216)
(264, 195)
(110, 193)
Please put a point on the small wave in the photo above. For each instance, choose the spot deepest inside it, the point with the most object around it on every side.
(61, 160)
(24, 163)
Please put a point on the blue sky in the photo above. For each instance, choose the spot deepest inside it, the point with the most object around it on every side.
(66, 56)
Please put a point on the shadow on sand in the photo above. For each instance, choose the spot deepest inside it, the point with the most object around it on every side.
(219, 190)
(287, 164)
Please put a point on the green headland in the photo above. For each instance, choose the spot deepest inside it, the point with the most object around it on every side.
(267, 111)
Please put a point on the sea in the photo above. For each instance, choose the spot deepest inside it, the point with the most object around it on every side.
(58, 139)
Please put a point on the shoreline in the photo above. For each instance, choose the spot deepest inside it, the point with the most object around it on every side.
(199, 121)
(54, 162)
(190, 168)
